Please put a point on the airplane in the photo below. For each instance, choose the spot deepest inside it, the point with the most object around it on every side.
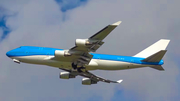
(80, 59)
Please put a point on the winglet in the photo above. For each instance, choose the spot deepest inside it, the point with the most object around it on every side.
(117, 23)
(119, 81)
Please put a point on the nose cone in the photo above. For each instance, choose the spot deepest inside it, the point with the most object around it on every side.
(9, 54)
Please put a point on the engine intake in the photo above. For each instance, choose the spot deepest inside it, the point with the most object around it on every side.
(88, 81)
(66, 75)
(84, 42)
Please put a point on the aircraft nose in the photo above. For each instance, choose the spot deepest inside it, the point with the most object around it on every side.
(9, 54)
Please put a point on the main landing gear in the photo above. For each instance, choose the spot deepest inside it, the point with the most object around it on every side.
(79, 69)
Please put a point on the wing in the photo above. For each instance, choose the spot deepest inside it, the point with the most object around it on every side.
(79, 55)
(84, 46)
(96, 40)
(97, 78)
(105, 31)
(91, 76)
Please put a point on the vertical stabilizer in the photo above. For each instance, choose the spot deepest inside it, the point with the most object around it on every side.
(156, 47)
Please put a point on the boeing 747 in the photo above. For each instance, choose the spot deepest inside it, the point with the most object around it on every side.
(79, 60)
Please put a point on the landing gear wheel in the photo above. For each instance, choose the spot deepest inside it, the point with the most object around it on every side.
(74, 66)
(81, 69)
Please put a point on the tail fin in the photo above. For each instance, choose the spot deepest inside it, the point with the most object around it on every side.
(157, 47)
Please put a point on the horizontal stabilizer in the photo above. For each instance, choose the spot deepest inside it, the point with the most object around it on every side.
(119, 81)
(158, 68)
(155, 57)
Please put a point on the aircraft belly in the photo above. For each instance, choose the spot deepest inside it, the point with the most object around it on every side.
(110, 65)
(93, 65)
(41, 60)
(31, 59)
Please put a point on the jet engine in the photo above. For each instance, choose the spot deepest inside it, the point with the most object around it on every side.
(61, 53)
(84, 42)
(88, 81)
(66, 75)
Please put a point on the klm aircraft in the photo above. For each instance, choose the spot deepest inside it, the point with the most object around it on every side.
(79, 60)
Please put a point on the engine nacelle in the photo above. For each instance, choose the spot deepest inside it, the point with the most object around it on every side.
(63, 53)
(66, 75)
(84, 42)
(88, 81)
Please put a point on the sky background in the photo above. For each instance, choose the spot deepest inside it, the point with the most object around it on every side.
(57, 23)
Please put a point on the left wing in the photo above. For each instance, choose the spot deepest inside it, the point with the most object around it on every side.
(92, 77)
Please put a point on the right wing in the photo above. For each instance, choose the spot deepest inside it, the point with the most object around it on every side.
(97, 78)
(91, 76)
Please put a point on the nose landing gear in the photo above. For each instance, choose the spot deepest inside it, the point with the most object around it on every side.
(16, 61)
